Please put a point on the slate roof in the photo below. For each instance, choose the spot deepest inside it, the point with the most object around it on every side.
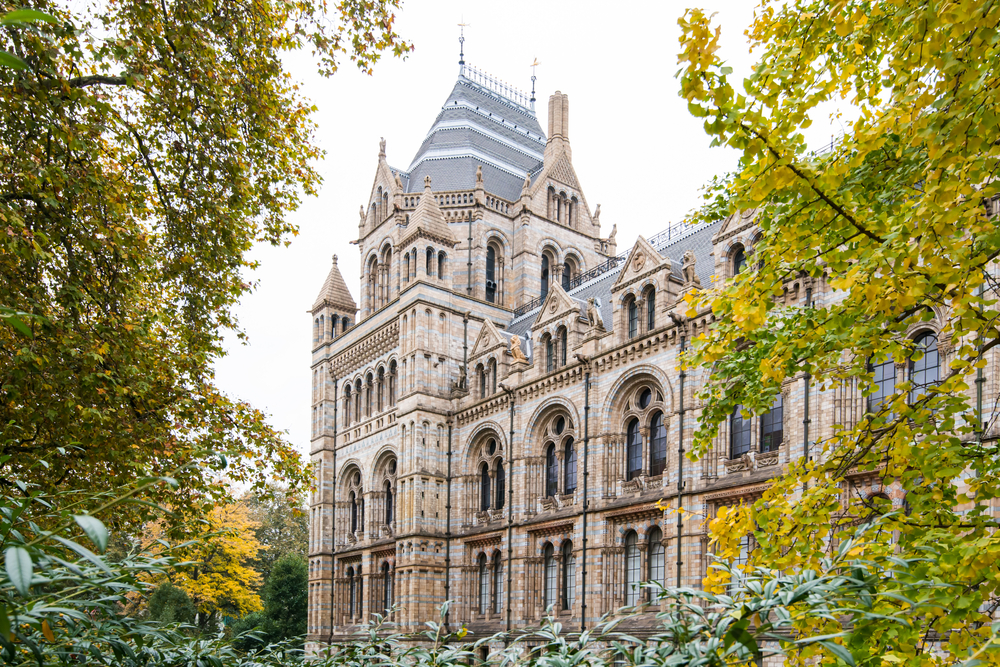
(478, 126)
(335, 292)
(699, 241)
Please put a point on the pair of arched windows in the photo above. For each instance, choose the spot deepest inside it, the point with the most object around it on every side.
(568, 469)
(492, 487)
(494, 273)
(635, 573)
(771, 430)
(556, 349)
(487, 378)
(560, 577)
(657, 446)
(634, 316)
(357, 504)
(924, 370)
(490, 584)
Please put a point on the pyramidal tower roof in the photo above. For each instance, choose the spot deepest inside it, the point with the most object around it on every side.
(335, 292)
(484, 122)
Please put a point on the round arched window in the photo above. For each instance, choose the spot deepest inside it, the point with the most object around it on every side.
(492, 447)
(392, 467)
(644, 398)
(560, 425)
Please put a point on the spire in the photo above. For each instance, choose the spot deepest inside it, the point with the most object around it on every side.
(533, 66)
(428, 220)
(461, 46)
(335, 293)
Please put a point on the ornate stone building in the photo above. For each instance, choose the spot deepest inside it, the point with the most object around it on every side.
(496, 421)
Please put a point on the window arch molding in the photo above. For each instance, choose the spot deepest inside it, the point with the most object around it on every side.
(641, 403)
(559, 440)
(488, 469)
(612, 417)
(543, 418)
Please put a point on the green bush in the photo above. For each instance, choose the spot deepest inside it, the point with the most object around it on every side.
(169, 604)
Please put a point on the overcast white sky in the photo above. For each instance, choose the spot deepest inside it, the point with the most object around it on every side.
(636, 149)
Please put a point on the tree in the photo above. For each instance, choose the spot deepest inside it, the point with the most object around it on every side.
(144, 148)
(286, 598)
(215, 570)
(282, 526)
(896, 225)
(169, 604)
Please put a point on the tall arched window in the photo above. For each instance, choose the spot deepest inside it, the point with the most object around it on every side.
(569, 576)
(885, 384)
(550, 353)
(406, 268)
(925, 372)
(650, 309)
(345, 324)
(493, 376)
(429, 268)
(657, 445)
(657, 563)
(482, 381)
(442, 260)
(484, 585)
(545, 275)
(501, 486)
(772, 426)
(484, 482)
(387, 586)
(497, 583)
(491, 274)
(633, 438)
(381, 389)
(633, 574)
(390, 509)
(739, 434)
(551, 471)
(567, 276)
(354, 512)
(563, 345)
(569, 467)
(392, 384)
(352, 601)
(551, 577)
(739, 260)
(633, 317)
(369, 388)
(347, 405)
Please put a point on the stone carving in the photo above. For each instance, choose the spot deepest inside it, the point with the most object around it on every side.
(752, 461)
(688, 272)
(594, 315)
(614, 228)
(479, 176)
(597, 215)
(399, 182)
(639, 261)
(381, 147)
(515, 349)
(361, 214)
(633, 485)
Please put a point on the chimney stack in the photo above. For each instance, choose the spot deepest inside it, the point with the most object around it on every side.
(558, 116)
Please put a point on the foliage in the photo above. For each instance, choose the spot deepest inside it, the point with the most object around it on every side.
(214, 570)
(144, 148)
(282, 525)
(286, 599)
(169, 604)
(891, 229)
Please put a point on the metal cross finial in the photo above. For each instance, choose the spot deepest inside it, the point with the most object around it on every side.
(461, 41)
(533, 66)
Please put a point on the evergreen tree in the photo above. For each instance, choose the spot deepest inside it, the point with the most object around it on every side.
(286, 599)
(169, 604)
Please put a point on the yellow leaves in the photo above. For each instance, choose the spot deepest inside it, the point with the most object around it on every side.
(47, 631)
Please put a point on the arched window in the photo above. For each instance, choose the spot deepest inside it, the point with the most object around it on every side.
(333, 325)
(551, 577)
(442, 259)
(885, 384)
(369, 388)
(484, 585)
(772, 426)
(389, 508)
(563, 345)
(739, 260)
(650, 309)
(545, 275)
(925, 372)
(482, 381)
(633, 575)
(352, 602)
(497, 583)
(484, 477)
(406, 268)
(633, 317)
(354, 512)
(491, 274)
(387, 586)
(567, 276)
(501, 486)
(657, 445)
(657, 564)
(633, 438)
(429, 268)
(392, 384)
(550, 353)
(381, 389)
(347, 405)
(345, 324)
(569, 576)
(569, 467)
(493, 376)
(322, 327)
(739, 434)
(739, 564)
(357, 400)
(551, 471)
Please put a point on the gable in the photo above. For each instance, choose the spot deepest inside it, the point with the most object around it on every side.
(556, 305)
(488, 339)
(643, 260)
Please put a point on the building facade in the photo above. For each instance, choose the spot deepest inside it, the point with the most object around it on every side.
(500, 421)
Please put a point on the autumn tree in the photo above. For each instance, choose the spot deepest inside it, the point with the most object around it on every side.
(895, 228)
(215, 570)
(144, 149)
(282, 526)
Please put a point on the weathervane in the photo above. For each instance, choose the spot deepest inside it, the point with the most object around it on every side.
(461, 41)
(533, 77)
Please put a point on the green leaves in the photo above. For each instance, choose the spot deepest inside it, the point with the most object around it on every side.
(26, 16)
(19, 568)
(94, 529)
